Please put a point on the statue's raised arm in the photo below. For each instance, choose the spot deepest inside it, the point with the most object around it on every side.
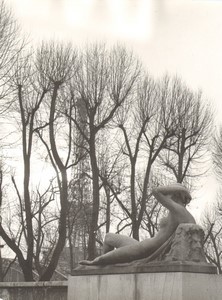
(121, 249)
(169, 195)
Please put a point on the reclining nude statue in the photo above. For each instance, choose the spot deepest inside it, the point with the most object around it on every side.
(122, 249)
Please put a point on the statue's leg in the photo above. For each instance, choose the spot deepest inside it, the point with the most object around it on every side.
(113, 240)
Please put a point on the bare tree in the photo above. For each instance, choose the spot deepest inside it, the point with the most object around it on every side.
(103, 82)
(56, 65)
(217, 153)
(45, 219)
(187, 147)
(152, 127)
(212, 224)
(26, 103)
(111, 167)
(11, 44)
(34, 81)
(212, 220)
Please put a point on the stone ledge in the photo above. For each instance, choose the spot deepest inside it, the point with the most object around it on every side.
(33, 284)
(152, 267)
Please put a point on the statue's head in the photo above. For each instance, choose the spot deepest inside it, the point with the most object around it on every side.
(182, 195)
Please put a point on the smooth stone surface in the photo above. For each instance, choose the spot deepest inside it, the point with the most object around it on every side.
(146, 286)
(152, 267)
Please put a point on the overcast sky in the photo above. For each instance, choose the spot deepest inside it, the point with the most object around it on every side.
(182, 37)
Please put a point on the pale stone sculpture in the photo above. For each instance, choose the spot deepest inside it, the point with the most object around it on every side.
(187, 244)
(175, 198)
(169, 266)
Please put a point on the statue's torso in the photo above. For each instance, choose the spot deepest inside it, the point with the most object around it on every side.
(169, 224)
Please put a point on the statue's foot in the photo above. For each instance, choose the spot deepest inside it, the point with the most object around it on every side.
(86, 262)
(90, 262)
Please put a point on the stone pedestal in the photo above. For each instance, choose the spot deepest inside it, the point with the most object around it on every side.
(146, 286)
(178, 270)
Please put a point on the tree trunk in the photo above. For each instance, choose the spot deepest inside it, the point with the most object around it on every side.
(71, 261)
(135, 229)
(96, 200)
(27, 271)
(181, 156)
(108, 206)
(27, 200)
(62, 230)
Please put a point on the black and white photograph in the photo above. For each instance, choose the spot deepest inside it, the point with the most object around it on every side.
(110, 149)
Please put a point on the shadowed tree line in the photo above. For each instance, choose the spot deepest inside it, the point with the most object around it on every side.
(106, 129)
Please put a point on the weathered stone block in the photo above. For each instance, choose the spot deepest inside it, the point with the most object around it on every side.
(146, 286)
